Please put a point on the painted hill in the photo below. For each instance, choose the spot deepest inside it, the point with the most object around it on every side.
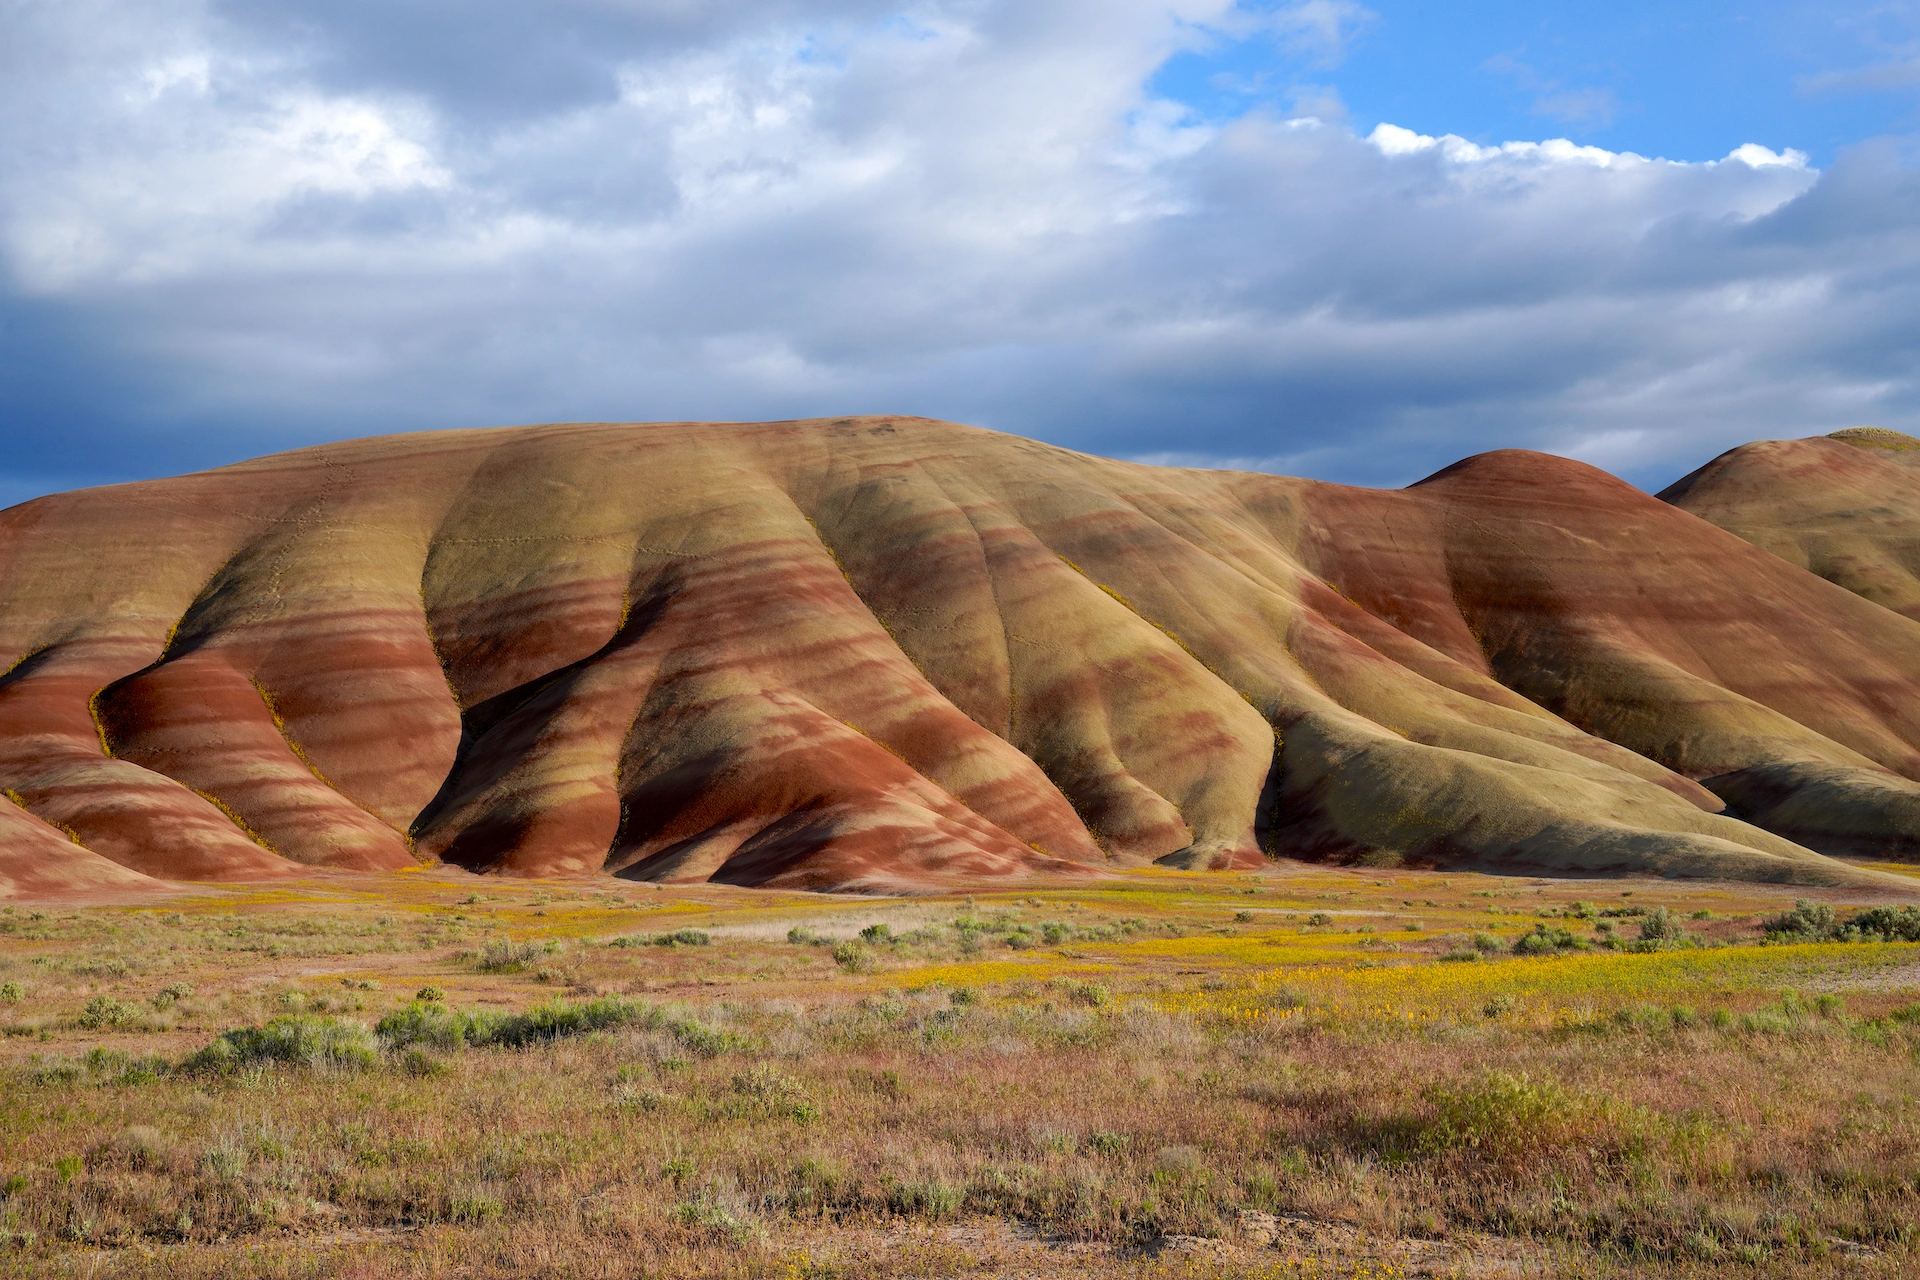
(1845, 507)
(879, 652)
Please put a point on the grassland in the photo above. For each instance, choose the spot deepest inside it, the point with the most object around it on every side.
(1304, 1072)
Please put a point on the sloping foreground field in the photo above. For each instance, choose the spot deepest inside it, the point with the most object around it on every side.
(887, 652)
(1301, 1072)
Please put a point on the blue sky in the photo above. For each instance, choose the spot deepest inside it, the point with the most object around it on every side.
(1685, 81)
(1349, 241)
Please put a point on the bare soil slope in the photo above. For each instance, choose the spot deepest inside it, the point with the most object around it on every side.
(1845, 507)
(882, 652)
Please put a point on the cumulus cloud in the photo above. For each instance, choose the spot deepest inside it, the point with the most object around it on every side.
(241, 225)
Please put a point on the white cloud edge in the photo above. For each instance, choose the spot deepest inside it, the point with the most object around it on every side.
(1393, 140)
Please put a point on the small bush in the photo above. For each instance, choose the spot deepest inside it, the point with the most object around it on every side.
(932, 1199)
(1502, 1114)
(424, 1022)
(876, 935)
(853, 957)
(1488, 944)
(800, 935)
(1661, 925)
(1884, 924)
(12, 992)
(1545, 941)
(707, 1215)
(433, 1026)
(104, 1011)
(1092, 994)
(1808, 922)
(430, 994)
(474, 1209)
(113, 1066)
(422, 1065)
(503, 955)
(295, 1040)
(682, 938)
(171, 994)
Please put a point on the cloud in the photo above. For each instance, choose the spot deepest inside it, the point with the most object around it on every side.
(243, 226)
(1323, 29)
(1901, 74)
(1588, 108)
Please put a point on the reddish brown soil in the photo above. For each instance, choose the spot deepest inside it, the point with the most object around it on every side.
(878, 653)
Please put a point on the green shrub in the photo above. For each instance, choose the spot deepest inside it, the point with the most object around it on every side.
(12, 992)
(503, 955)
(876, 935)
(853, 957)
(104, 1011)
(295, 1040)
(1503, 1114)
(171, 994)
(438, 1027)
(433, 1026)
(709, 1216)
(1077, 992)
(1661, 925)
(800, 935)
(682, 938)
(561, 1018)
(424, 1022)
(1488, 944)
(1545, 941)
(707, 1042)
(430, 994)
(474, 1209)
(422, 1065)
(115, 1066)
(932, 1199)
(1884, 924)
(1807, 922)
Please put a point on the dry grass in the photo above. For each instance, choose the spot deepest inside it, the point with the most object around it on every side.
(1049, 1081)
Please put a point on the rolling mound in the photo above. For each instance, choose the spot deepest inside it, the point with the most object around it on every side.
(877, 653)
(1845, 507)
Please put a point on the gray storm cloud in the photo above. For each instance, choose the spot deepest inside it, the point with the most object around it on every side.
(239, 226)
